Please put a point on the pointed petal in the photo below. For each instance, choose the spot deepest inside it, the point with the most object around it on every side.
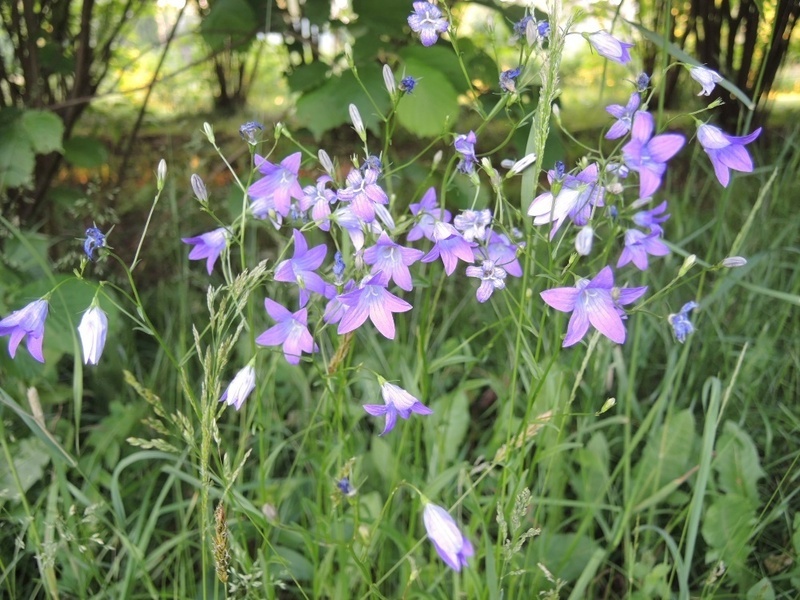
(665, 146)
(577, 327)
(642, 126)
(562, 299)
(606, 319)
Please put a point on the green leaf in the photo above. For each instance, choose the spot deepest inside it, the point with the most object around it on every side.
(763, 590)
(432, 108)
(592, 476)
(668, 453)
(307, 77)
(85, 152)
(447, 427)
(17, 159)
(382, 17)
(230, 23)
(727, 527)
(30, 458)
(45, 131)
(737, 464)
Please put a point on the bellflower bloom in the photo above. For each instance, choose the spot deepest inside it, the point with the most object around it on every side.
(92, 330)
(706, 78)
(451, 545)
(624, 116)
(290, 332)
(508, 80)
(726, 151)
(391, 261)
(648, 155)
(473, 223)
(345, 218)
(652, 218)
(428, 22)
(638, 246)
(94, 239)
(450, 246)
(397, 401)
(240, 388)
(278, 184)
(363, 193)
(492, 278)
(428, 213)
(503, 253)
(300, 268)
(681, 325)
(319, 199)
(371, 300)
(208, 245)
(610, 47)
(584, 240)
(251, 131)
(465, 145)
(594, 302)
(407, 84)
(29, 321)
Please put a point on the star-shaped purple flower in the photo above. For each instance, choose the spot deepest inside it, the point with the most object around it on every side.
(638, 246)
(300, 268)
(726, 151)
(278, 184)
(208, 245)
(652, 218)
(391, 261)
(28, 320)
(290, 332)
(372, 300)
(363, 193)
(649, 155)
(319, 199)
(428, 213)
(594, 302)
(492, 278)
(464, 144)
(623, 116)
(397, 401)
(450, 246)
(428, 22)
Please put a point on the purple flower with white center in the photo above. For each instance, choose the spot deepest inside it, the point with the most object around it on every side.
(492, 278)
(502, 252)
(610, 47)
(465, 146)
(726, 151)
(363, 193)
(450, 246)
(508, 80)
(638, 246)
(648, 155)
(300, 269)
(372, 300)
(29, 321)
(92, 330)
(94, 239)
(473, 223)
(681, 325)
(391, 261)
(240, 387)
(428, 213)
(624, 116)
(707, 78)
(278, 184)
(652, 218)
(407, 84)
(290, 332)
(575, 199)
(428, 22)
(319, 199)
(208, 245)
(594, 302)
(451, 545)
(397, 401)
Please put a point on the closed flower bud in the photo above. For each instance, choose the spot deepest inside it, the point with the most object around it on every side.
(522, 164)
(584, 240)
(209, 131)
(688, 263)
(734, 261)
(161, 174)
(93, 329)
(326, 162)
(437, 158)
(388, 80)
(358, 124)
(199, 188)
(239, 389)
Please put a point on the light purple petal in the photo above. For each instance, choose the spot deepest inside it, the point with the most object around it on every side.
(605, 318)
(562, 299)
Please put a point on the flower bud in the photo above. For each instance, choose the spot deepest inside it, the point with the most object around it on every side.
(93, 329)
(199, 188)
(437, 158)
(522, 164)
(161, 174)
(326, 162)
(358, 124)
(584, 240)
(688, 263)
(734, 261)
(388, 80)
(209, 131)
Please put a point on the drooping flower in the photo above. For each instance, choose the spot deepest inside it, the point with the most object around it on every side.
(451, 545)
(93, 329)
(346, 488)
(707, 78)
(428, 22)
(450, 246)
(240, 387)
(407, 84)
(363, 193)
(642, 82)
(648, 155)
(290, 332)
(391, 261)
(300, 269)
(681, 325)
(94, 239)
(638, 246)
(726, 151)
(610, 47)
(319, 199)
(428, 213)
(29, 320)
(465, 146)
(473, 223)
(594, 302)
(584, 240)
(278, 185)
(624, 116)
(652, 218)
(492, 278)
(397, 401)
(208, 245)
(372, 300)
(508, 80)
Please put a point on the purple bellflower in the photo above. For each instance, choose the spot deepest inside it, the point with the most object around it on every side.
(290, 332)
(428, 213)
(300, 269)
(492, 278)
(363, 193)
(624, 117)
(94, 239)
(707, 78)
(251, 131)
(726, 151)
(473, 223)
(465, 146)
(451, 545)
(208, 245)
(334, 309)
(278, 185)
(594, 302)
(397, 401)
(652, 218)
(92, 330)
(372, 300)
(450, 246)
(638, 246)
(391, 261)
(29, 321)
(502, 252)
(319, 199)
(407, 84)
(648, 155)
(610, 47)
(428, 22)
(240, 387)
(681, 325)
(508, 80)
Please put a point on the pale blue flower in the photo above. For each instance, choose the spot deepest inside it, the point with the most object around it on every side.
(726, 151)
(397, 402)
(610, 47)
(240, 388)
(450, 543)
(208, 245)
(681, 325)
(290, 332)
(27, 321)
(428, 22)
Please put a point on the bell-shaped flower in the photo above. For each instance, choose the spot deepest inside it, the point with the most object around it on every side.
(300, 269)
(208, 245)
(290, 332)
(278, 185)
(428, 213)
(428, 22)
(726, 151)
(707, 78)
(648, 155)
(610, 47)
(27, 321)
(391, 261)
(372, 300)
(93, 329)
(450, 543)
(450, 246)
(240, 387)
(396, 402)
